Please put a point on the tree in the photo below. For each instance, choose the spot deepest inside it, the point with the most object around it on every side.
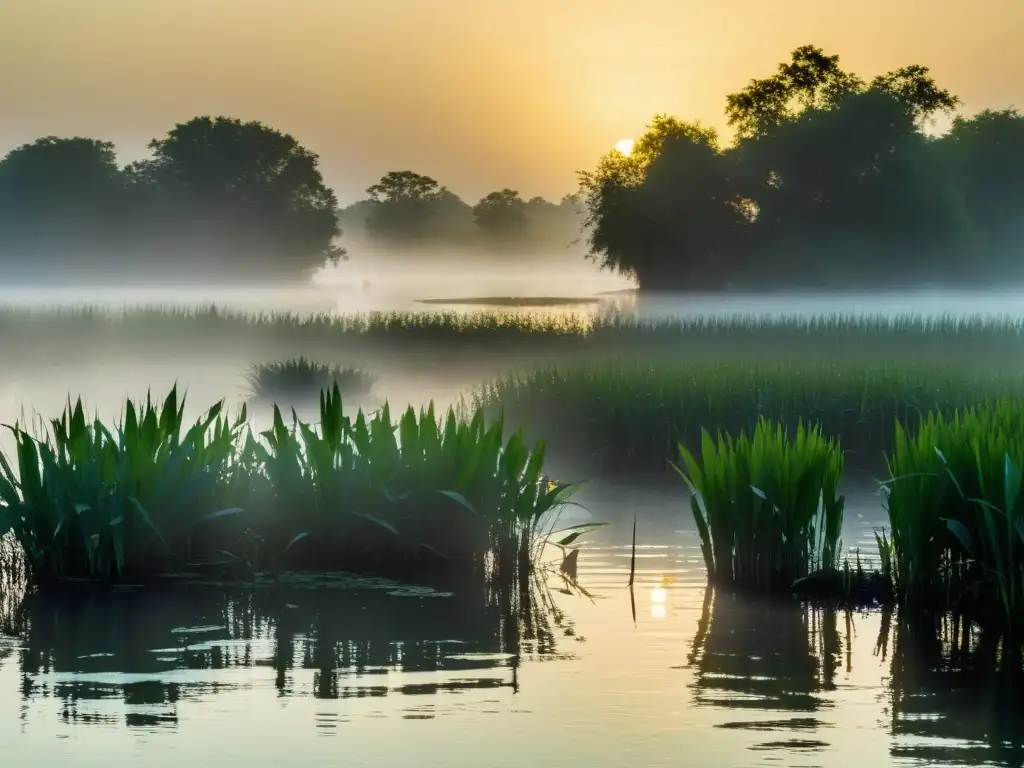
(667, 214)
(810, 79)
(60, 198)
(916, 90)
(404, 203)
(831, 181)
(848, 178)
(984, 155)
(251, 190)
(501, 216)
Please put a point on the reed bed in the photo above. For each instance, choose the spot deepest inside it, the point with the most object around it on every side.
(510, 337)
(956, 512)
(767, 506)
(149, 497)
(626, 418)
(768, 513)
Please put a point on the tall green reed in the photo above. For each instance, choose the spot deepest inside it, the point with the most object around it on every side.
(956, 511)
(88, 501)
(766, 507)
(149, 497)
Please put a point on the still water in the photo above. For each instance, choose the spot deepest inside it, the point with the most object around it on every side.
(379, 675)
(579, 289)
(374, 674)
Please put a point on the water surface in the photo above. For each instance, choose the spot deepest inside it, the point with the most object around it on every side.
(382, 676)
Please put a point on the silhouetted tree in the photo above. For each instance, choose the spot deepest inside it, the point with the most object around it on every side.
(984, 157)
(668, 213)
(404, 203)
(61, 201)
(831, 181)
(810, 79)
(502, 216)
(249, 194)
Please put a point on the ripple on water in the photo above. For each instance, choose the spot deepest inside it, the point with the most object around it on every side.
(664, 672)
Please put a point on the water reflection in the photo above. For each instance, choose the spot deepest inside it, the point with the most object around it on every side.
(133, 657)
(722, 680)
(956, 695)
(774, 658)
(784, 670)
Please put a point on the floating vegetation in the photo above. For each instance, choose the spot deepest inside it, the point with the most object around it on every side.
(301, 380)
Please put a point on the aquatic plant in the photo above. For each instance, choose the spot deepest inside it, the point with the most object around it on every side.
(956, 510)
(766, 506)
(453, 489)
(362, 493)
(625, 418)
(86, 500)
(300, 379)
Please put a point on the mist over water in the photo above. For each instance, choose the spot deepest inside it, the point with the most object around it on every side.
(729, 682)
(385, 282)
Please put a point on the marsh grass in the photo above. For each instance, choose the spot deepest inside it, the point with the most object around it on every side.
(301, 379)
(956, 511)
(147, 497)
(766, 505)
(87, 500)
(625, 418)
(413, 338)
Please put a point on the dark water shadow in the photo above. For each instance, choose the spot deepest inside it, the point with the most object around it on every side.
(956, 693)
(769, 661)
(152, 650)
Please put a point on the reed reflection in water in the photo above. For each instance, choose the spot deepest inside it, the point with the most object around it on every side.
(135, 656)
(953, 695)
(506, 678)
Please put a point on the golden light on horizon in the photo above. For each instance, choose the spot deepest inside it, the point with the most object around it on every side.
(625, 146)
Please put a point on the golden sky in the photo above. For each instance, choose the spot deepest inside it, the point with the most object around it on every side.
(479, 94)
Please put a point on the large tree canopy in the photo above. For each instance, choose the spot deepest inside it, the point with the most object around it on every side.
(249, 187)
(57, 195)
(832, 180)
(217, 198)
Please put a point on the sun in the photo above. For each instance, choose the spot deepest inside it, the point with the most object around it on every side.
(625, 146)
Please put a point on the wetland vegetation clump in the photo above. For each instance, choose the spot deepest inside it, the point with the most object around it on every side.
(956, 512)
(767, 506)
(148, 498)
(301, 379)
(625, 418)
(769, 515)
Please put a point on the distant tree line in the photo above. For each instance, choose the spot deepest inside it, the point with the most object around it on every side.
(222, 199)
(831, 181)
(407, 209)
